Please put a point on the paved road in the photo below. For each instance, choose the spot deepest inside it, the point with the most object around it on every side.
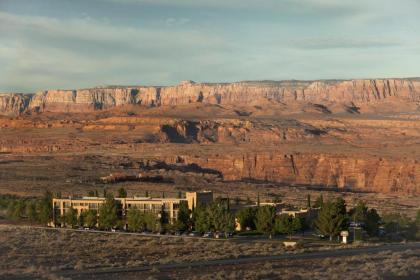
(244, 260)
(130, 233)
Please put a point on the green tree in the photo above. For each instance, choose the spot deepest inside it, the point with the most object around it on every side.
(246, 218)
(287, 224)
(108, 213)
(31, 211)
(81, 219)
(391, 222)
(164, 216)
(201, 219)
(359, 213)
(216, 212)
(151, 221)
(228, 222)
(45, 208)
(135, 220)
(122, 193)
(70, 217)
(400, 225)
(217, 217)
(331, 220)
(341, 206)
(90, 218)
(372, 222)
(264, 220)
(16, 209)
(183, 221)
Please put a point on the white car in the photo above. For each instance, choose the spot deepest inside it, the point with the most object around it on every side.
(208, 234)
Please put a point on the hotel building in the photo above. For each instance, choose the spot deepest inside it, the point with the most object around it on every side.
(146, 204)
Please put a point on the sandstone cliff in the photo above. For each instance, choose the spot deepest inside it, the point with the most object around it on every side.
(364, 173)
(319, 92)
(13, 103)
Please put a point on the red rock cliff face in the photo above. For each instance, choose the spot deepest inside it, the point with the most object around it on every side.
(327, 170)
(85, 100)
(318, 92)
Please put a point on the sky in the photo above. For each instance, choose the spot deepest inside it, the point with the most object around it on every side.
(67, 44)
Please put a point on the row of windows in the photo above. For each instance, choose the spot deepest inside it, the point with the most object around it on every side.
(151, 206)
(156, 211)
(141, 206)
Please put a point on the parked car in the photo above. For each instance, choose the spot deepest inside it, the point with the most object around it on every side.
(321, 236)
(357, 224)
(194, 233)
(208, 234)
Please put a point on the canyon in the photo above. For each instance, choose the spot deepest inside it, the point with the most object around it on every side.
(359, 136)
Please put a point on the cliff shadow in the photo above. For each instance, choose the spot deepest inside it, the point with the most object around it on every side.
(173, 135)
(182, 167)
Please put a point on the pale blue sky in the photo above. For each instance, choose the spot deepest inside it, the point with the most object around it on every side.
(81, 43)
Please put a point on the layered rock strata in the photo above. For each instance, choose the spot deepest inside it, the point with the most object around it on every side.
(320, 92)
(363, 173)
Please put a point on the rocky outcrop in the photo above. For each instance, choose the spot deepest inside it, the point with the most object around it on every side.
(13, 103)
(237, 131)
(319, 92)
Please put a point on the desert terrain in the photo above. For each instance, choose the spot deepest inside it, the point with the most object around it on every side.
(281, 140)
(90, 255)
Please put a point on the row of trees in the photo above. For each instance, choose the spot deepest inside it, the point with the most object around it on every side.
(215, 217)
(35, 210)
(107, 217)
(264, 219)
(332, 218)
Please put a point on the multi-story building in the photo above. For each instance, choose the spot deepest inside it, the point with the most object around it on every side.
(197, 198)
(170, 206)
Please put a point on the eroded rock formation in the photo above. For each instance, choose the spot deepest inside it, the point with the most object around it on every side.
(238, 130)
(356, 172)
(320, 92)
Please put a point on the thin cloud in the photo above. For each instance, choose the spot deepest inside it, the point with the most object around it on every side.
(164, 41)
(176, 21)
(344, 43)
